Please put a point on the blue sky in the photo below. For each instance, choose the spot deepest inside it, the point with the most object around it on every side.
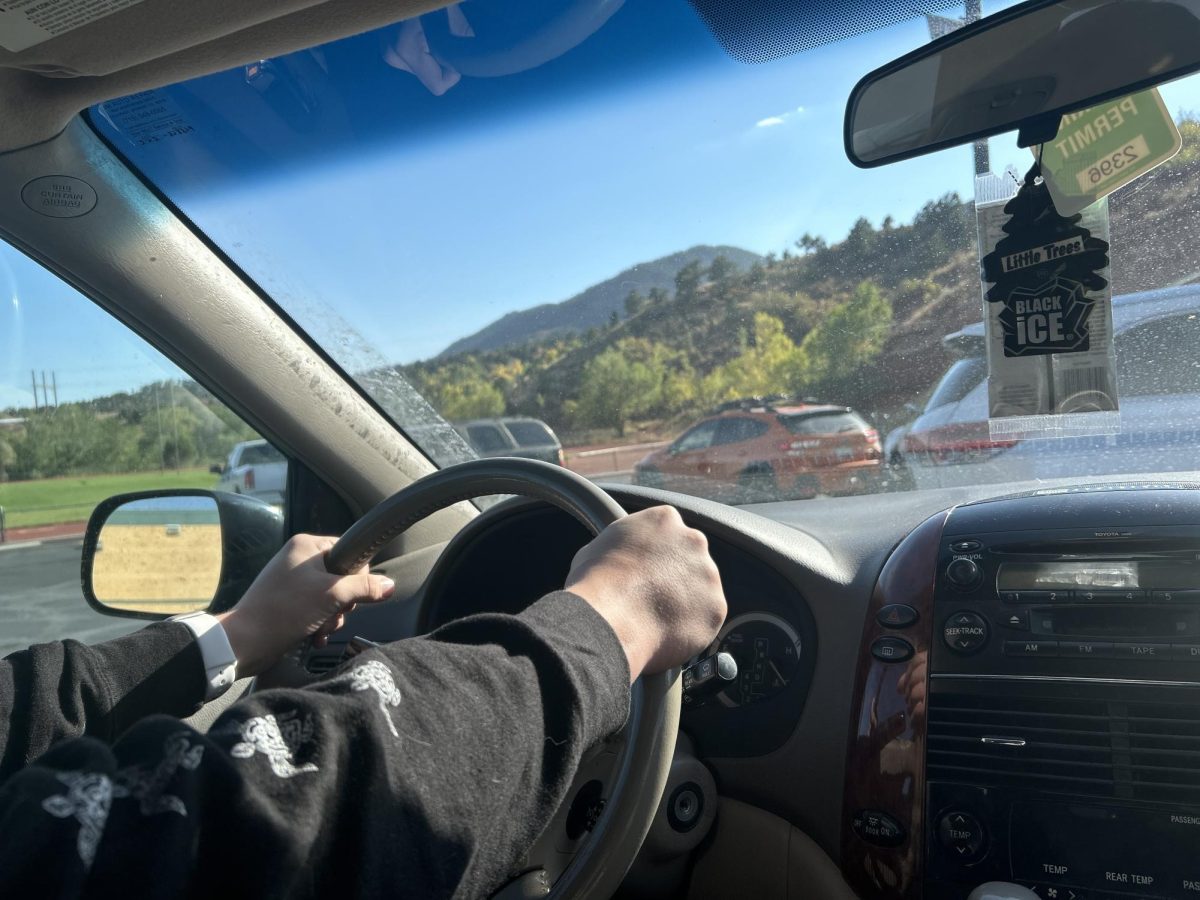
(391, 248)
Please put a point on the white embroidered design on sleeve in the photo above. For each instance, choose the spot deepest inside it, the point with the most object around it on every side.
(147, 785)
(375, 676)
(277, 739)
(88, 799)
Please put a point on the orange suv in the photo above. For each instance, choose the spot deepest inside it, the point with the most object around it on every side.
(753, 450)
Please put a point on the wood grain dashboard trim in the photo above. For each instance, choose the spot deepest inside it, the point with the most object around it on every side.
(885, 764)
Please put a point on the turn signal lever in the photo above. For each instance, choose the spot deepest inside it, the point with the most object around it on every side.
(708, 676)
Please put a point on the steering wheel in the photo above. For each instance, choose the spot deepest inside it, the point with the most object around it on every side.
(645, 746)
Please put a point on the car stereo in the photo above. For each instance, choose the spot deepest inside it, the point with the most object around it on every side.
(1063, 715)
(1036, 603)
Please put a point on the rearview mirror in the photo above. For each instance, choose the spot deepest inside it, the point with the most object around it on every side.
(156, 554)
(1023, 68)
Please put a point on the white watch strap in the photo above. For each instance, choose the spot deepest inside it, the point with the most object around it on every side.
(220, 663)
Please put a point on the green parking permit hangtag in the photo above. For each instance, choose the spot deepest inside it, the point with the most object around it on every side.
(1106, 146)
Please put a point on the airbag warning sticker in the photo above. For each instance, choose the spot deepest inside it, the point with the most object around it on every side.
(25, 23)
(146, 117)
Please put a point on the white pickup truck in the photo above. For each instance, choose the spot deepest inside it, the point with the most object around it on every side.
(254, 468)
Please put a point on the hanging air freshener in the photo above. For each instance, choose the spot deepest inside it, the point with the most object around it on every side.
(1047, 312)
(1043, 273)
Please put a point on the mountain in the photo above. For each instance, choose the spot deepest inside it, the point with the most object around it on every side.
(594, 306)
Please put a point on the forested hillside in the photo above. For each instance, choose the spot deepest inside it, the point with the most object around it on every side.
(858, 321)
(594, 306)
(813, 320)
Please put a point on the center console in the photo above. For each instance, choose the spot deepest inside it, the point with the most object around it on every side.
(1055, 737)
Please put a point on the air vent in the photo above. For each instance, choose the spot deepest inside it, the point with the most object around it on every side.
(1142, 751)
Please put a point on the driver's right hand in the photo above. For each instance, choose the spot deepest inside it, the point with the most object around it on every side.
(652, 578)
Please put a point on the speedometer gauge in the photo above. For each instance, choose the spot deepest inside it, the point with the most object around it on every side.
(767, 650)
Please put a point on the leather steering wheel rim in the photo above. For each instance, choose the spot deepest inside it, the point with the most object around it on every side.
(649, 735)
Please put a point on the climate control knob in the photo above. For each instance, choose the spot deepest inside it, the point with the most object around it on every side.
(963, 573)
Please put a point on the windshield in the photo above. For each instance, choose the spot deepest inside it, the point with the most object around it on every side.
(607, 218)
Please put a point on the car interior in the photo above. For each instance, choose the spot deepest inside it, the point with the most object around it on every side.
(984, 690)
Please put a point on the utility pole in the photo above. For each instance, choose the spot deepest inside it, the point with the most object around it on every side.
(45, 393)
(33, 378)
(175, 422)
(54, 386)
(162, 452)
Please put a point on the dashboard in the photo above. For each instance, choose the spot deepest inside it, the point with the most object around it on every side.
(935, 689)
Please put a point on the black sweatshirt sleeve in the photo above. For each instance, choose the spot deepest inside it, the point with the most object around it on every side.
(424, 768)
(67, 689)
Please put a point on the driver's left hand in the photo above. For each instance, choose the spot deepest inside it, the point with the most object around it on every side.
(293, 598)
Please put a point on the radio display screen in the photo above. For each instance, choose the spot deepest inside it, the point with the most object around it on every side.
(1099, 574)
(1066, 575)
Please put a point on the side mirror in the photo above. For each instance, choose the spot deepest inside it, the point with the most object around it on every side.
(155, 554)
(217, 468)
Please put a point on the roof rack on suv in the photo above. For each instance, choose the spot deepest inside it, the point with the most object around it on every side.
(768, 403)
(747, 403)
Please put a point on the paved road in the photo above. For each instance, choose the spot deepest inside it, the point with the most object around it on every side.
(40, 598)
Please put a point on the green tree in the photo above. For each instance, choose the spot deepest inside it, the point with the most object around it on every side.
(634, 303)
(721, 269)
(470, 398)
(8, 457)
(615, 388)
(810, 243)
(851, 335)
(772, 364)
(687, 282)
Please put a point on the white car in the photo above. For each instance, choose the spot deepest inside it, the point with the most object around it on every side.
(256, 469)
(1156, 336)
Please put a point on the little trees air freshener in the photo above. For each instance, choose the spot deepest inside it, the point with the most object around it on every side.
(1044, 275)
(1047, 311)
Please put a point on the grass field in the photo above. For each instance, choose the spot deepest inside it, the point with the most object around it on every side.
(72, 499)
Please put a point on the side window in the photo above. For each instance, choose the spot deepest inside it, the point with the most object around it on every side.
(734, 431)
(89, 410)
(486, 438)
(1160, 357)
(698, 438)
